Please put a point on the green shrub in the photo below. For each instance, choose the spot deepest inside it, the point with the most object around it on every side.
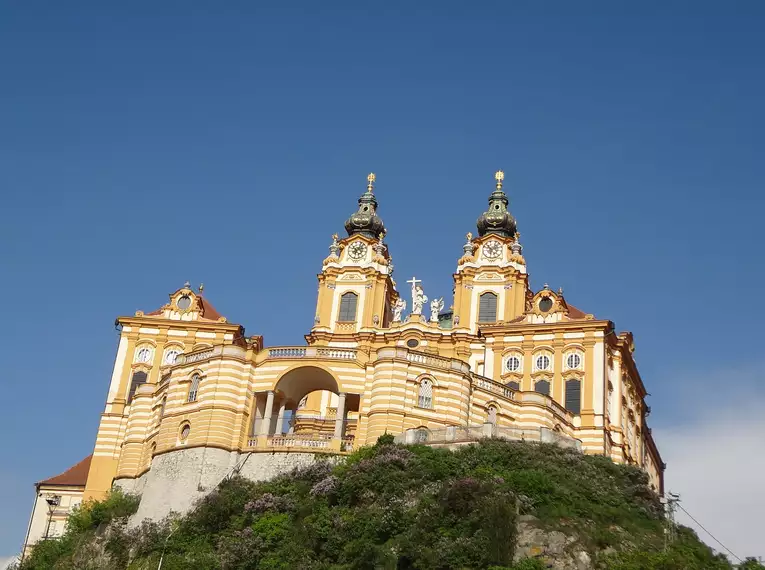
(395, 507)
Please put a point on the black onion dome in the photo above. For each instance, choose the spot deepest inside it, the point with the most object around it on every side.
(497, 220)
(366, 221)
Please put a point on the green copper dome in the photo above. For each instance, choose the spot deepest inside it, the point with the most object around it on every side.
(366, 221)
(497, 220)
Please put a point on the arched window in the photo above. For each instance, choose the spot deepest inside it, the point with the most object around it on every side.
(138, 378)
(348, 303)
(487, 308)
(543, 387)
(425, 397)
(513, 384)
(574, 396)
(194, 389)
(491, 417)
(421, 435)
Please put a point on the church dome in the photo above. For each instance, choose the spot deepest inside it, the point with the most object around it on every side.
(366, 221)
(497, 220)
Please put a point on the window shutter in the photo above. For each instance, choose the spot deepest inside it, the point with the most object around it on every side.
(543, 387)
(137, 379)
(348, 307)
(487, 308)
(573, 396)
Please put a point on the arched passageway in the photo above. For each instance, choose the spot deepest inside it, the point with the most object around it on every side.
(281, 417)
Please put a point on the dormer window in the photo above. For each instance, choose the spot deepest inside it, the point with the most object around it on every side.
(184, 302)
(348, 302)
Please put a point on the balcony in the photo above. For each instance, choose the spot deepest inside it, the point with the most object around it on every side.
(305, 442)
(317, 352)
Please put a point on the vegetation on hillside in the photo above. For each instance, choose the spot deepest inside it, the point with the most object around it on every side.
(395, 507)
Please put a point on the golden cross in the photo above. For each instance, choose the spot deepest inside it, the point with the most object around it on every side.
(499, 176)
(371, 180)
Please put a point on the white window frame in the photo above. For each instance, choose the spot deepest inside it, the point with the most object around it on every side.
(148, 349)
(425, 394)
(518, 358)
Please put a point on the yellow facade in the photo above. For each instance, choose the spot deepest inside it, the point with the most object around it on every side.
(504, 359)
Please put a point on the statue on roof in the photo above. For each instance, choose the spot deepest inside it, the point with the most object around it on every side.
(436, 306)
(398, 308)
(418, 296)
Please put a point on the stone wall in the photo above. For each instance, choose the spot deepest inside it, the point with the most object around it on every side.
(179, 478)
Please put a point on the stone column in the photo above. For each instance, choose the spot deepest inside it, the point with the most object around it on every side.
(280, 418)
(339, 420)
(266, 425)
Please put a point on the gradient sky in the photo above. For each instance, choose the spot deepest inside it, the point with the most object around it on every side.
(144, 144)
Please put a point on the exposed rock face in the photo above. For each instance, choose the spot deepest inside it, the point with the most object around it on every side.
(558, 550)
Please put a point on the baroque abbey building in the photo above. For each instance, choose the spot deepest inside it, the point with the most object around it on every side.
(193, 399)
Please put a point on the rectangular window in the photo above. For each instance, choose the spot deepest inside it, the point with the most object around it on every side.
(137, 379)
(487, 308)
(348, 308)
(574, 396)
(194, 389)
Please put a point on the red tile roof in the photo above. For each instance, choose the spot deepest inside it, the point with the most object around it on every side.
(574, 313)
(208, 311)
(75, 476)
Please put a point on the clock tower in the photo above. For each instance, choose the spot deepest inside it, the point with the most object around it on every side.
(355, 285)
(491, 283)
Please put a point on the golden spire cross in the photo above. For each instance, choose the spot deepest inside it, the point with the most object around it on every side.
(371, 179)
(499, 176)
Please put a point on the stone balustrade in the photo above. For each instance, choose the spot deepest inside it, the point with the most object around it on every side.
(312, 352)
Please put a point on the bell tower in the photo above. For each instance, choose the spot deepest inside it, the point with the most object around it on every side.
(491, 283)
(355, 285)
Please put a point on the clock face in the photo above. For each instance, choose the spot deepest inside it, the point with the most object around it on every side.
(357, 250)
(492, 250)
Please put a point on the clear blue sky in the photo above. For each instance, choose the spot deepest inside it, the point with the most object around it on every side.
(144, 144)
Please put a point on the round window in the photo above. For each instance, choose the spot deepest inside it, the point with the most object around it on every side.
(513, 364)
(574, 361)
(545, 304)
(413, 343)
(143, 355)
(543, 362)
(171, 356)
(184, 302)
(185, 432)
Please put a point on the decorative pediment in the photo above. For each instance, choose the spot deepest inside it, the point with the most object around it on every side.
(351, 277)
(547, 306)
(186, 305)
(489, 276)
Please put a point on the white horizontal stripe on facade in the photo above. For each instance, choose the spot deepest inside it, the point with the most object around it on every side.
(543, 337)
(570, 335)
(513, 338)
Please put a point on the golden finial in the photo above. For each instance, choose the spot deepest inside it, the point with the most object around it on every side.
(499, 176)
(469, 236)
(334, 237)
(201, 287)
(371, 180)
